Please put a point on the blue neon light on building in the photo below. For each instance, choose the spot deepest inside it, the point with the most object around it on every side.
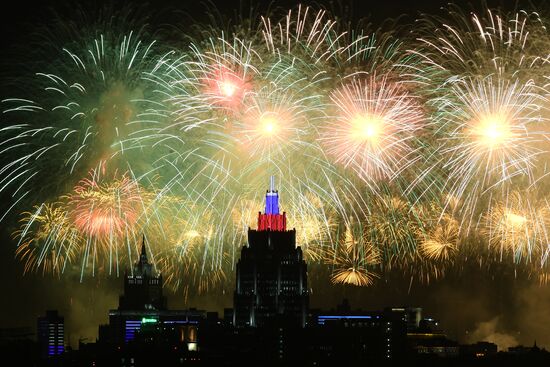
(321, 319)
(51, 334)
(272, 199)
(130, 330)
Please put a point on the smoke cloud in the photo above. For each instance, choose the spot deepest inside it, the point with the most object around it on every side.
(488, 331)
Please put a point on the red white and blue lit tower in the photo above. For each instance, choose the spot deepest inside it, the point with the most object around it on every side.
(271, 273)
(271, 219)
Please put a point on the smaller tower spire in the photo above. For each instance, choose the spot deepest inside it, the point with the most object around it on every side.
(143, 254)
(143, 267)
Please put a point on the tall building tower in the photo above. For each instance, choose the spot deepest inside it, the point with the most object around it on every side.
(271, 273)
(142, 288)
(51, 334)
(143, 314)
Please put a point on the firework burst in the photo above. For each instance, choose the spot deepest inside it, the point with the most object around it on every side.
(518, 225)
(105, 210)
(491, 137)
(375, 127)
(47, 239)
(351, 261)
(441, 243)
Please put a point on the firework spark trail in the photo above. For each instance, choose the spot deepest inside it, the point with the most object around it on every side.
(489, 43)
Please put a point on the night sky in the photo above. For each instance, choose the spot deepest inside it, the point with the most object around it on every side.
(502, 304)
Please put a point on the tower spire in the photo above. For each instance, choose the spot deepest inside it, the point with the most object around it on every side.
(272, 199)
(272, 219)
(143, 254)
(143, 267)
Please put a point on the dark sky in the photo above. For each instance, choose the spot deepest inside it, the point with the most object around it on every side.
(498, 303)
(15, 22)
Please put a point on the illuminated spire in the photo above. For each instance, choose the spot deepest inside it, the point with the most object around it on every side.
(272, 219)
(272, 199)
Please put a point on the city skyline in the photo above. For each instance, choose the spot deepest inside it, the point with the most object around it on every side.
(271, 321)
(412, 165)
(486, 330)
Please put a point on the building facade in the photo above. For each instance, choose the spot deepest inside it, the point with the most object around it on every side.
(50, 333)
(348, 335)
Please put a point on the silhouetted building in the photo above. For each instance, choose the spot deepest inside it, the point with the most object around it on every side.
(271, 273)
(142, 315)
(15, 334)
(413, 317)
(429, 324)
(429, 339)
(19, 344)
(142, 288)
(435, 344)
(352, 336)
(478, 350)
(50, 333)
(520, 349)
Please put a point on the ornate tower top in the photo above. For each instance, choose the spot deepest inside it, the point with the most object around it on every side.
(143, 266)
(271, 219)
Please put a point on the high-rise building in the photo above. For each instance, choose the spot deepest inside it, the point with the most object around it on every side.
(142, 287)
(271, 273)
(351, 335)
(51, 334)
(143, 312)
